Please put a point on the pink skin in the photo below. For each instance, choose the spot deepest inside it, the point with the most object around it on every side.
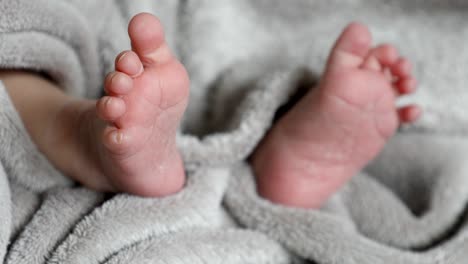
(147, 96)
(126, 140)
(339, 126)
(332, 133)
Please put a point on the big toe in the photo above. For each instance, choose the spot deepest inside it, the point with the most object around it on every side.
(147, 37)
(351, 48)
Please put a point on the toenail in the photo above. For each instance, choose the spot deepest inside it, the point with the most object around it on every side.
(122, 56)
(110, 78)
(139, 73)
(117, 137)
(108, 101)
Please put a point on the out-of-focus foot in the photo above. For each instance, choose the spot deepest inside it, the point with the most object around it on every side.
(338, 127)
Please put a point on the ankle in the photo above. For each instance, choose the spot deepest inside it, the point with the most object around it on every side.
(64, 122)
(62, 134)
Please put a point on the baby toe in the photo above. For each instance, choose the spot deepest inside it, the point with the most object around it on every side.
(118, 83)
(386, 54)
(119, 141)
(371, 63)
(409, 114)
(351, 48)
(129, 63)
(147, 37)
(381, 58)
(110, 108)
(114, 139)
(402, 68)
(406, 86)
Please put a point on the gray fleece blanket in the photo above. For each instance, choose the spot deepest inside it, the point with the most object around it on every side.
(246, 59)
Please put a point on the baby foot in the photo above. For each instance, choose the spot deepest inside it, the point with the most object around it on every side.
(338, 127)
(147, 96)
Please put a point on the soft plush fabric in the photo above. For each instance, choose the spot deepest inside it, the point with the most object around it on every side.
(246, 59)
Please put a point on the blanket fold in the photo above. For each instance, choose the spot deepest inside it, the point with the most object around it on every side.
(247, 60)
(370, 228)
(5, 213)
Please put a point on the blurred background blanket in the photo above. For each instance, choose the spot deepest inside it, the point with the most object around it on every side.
(246, 60)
